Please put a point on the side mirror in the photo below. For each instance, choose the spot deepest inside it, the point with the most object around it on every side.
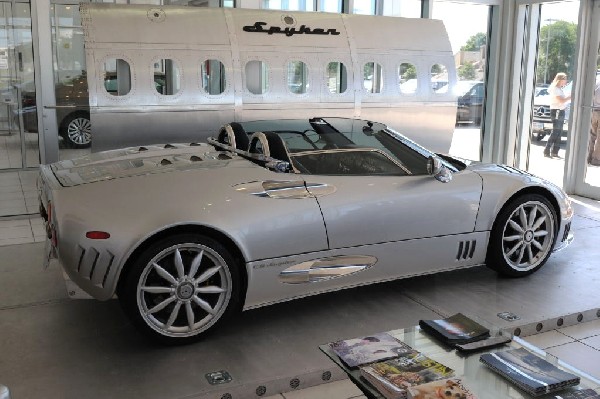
(436, 168)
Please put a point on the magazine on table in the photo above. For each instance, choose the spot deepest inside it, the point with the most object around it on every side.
(456, 329)
(357, 351)
(450, 388)
(392, 377)
(529, 371)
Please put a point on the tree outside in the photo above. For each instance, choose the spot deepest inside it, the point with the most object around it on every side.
(556, 50)
(475, 42)
(467, 71)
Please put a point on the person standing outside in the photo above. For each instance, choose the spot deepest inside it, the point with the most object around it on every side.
(594, 146)
(558, 104)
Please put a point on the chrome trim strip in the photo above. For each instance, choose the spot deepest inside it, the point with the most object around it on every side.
(326, 268)
(320, 189)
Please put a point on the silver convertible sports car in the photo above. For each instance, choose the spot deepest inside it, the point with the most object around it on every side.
(187, 235)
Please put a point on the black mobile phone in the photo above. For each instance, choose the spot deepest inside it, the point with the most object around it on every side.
(485, 343)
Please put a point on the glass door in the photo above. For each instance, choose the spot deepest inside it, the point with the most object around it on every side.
(18, 148)
(588, 159)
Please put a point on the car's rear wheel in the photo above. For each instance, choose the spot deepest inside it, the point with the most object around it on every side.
(523, 236)
(76, 129)
(539, 136)
(181, 287)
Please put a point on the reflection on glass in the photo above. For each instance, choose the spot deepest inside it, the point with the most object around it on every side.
(331, 6)
(257, 77)
(556, 53)
(407, 78)
(592, 175)
(213, 77)
(404, 8)
(469, 46)
(373, 77)
(365, 7)
(117, 77)
(439, 78)
(292, 5)
(166, 77)
(297, 77)
(337, 77)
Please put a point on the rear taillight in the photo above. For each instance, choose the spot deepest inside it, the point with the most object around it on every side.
(97, 235)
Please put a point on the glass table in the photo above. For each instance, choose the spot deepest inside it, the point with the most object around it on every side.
(481, 380)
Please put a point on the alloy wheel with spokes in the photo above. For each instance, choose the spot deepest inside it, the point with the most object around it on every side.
(180, 289)
(523, 236)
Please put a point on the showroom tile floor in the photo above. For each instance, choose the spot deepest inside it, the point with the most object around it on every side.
(577, 345)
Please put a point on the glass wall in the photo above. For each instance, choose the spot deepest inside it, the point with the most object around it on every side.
(469, 46)
(557, 51)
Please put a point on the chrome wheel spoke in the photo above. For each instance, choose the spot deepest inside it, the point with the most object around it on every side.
(521, 253)
(538, 223)
(516, 226)
(529, 252)
(162, 305)
(532, 217)
(537, 245)
(190, 315)
(513, 238)
(210, 290)
(515, 248)
(541, 233)
(179, 264)
(164, 274)
(174, 314)
(207, 274)
(196, 264)
(159, 290)
(203, 304)
(523, 217)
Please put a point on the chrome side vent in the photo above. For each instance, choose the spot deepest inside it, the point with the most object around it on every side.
(80, 254)
(169, 146)
(466, 249)
(142, 149)
(223, 156)
(567, 231)
(95, 265)
(165, 162)
(195, 158)
(194, 144)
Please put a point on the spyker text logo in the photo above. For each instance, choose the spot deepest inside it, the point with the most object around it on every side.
(540, 111)
(259, 27)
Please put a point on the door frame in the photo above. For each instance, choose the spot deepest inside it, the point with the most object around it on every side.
(577, 148)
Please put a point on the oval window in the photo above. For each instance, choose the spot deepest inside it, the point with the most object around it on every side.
(439, 78)
(213, 77)
(117, 77)
(167, 79)
(373, 77)
(407, 78)
(337, 78)
(297, 77)
(257, 77)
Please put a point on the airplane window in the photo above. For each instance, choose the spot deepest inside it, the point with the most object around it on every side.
(213, 77)
(337, 77)
(166, 77)
(257, 77)
(297, 77)
(439, 78)
(373, 77)
(117, 77)
(407, 75)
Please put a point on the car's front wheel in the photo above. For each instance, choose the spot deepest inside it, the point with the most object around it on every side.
(523, 236)
(180, 287)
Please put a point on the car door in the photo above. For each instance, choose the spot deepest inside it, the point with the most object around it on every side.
(368, 210)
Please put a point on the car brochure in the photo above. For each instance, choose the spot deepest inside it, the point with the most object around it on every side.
(368, 349)
(451, 388)
(392, 377)
(456, 329)
(579, 394)
(483, 344)
(528, 371)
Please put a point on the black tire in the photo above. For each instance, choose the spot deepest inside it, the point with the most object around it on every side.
(76, 130)
(179, 309)
(523, 236)
(539, 136)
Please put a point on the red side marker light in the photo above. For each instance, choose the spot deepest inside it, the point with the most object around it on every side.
(97, 235)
